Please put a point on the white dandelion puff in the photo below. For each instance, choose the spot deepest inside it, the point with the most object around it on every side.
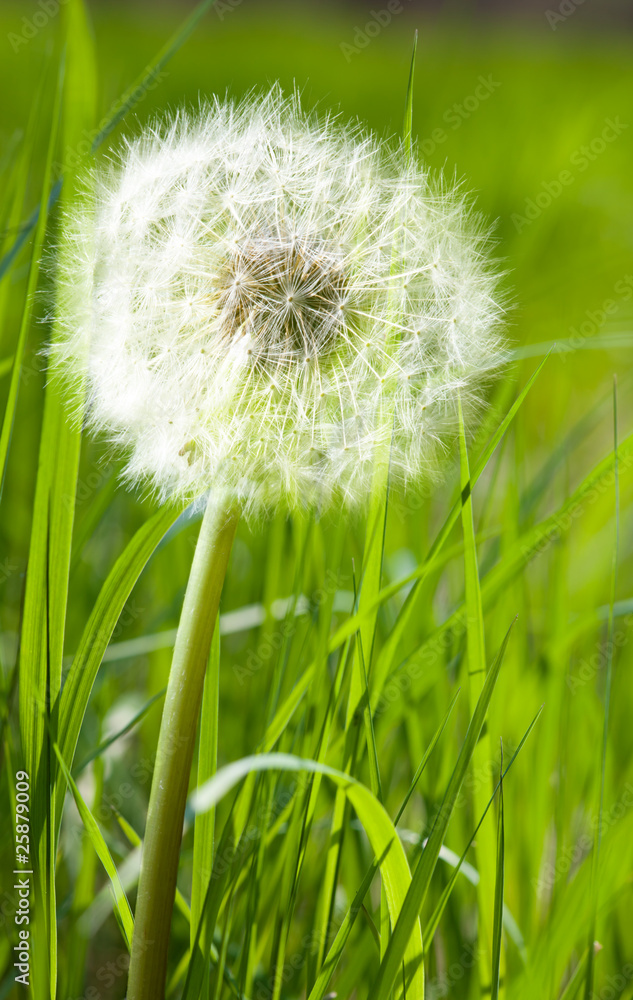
(255, 299)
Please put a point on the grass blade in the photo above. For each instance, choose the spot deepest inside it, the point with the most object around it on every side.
(152, 71)
(595, 880)
(107, 743)
(498, 905)
(476, 671)
(407, 128)
(409, 914)
(98, 631)
(118, 111)
(35, 654)
(431, 926)
(379, 828)
(53, 515)
(122, 909)
(33, 278)
(204, 829)
(336, 949)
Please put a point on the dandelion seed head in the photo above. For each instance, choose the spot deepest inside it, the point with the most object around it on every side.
(255, 300)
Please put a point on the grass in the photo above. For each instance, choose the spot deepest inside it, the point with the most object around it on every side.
(347, 695)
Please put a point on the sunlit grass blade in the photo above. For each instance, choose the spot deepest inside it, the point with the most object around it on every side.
(378, 827)
(475, 668)
(358, 702)
(335, 952)
(409, 914)
(49, 553)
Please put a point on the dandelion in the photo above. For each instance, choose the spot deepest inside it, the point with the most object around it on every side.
(255, 301)
(262, 305)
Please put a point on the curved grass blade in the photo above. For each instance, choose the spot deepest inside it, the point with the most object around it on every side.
(378, 827)
(409, 914)
(98, 631)
(333, 957)
(122, 910)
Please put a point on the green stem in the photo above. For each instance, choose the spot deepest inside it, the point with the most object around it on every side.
(165, 816)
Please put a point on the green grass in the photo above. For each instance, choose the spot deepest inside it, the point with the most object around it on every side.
(363, 696)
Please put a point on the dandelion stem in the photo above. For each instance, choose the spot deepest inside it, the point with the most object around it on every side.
(163, 831)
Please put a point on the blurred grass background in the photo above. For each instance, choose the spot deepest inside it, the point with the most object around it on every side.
(550, 93)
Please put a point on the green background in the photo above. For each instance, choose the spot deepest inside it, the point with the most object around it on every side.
(568, 280)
